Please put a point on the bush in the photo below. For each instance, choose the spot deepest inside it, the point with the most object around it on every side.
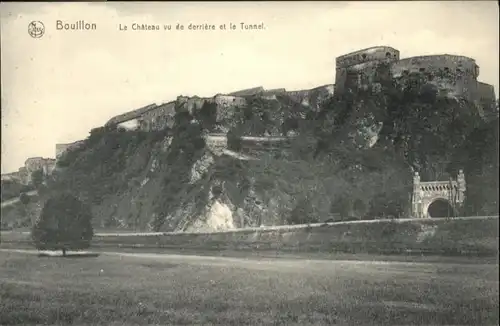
(37, 178)
(24, 198)
(64, 224)
(12, 189)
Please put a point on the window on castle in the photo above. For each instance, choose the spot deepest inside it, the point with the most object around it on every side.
(406, 72)
(446, 69)
(421, 69)
(363, 55)
(388, 55)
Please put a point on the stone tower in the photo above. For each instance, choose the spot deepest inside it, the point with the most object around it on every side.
(357, 69)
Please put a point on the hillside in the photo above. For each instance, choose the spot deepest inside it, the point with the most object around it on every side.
(345, 157)
(13, 188)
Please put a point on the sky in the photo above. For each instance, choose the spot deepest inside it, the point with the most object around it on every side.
(55, 88)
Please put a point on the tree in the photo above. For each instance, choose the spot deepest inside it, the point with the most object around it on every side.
(64, 224)
(23, 208)
(37, 178)
(24, 198)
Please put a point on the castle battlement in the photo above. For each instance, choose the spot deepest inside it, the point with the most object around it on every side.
(453, 75)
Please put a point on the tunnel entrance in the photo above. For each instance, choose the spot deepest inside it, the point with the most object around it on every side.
(440, 208)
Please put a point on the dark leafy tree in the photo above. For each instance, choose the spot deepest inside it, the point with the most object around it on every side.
(24, 198)
(37, 178)
(64, 224)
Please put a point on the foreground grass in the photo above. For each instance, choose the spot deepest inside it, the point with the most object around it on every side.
(166, 290)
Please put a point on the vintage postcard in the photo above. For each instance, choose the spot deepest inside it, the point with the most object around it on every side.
(249, 163)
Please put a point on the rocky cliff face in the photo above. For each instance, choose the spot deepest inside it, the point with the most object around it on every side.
(173, 180)
(283, 158)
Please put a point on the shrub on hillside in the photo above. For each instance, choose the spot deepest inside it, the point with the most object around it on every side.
(64, 224)
(24, 198)
(303, 213)
(12, 189)
(37, 178)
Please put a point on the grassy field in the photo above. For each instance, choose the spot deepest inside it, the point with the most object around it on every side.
(141, 289)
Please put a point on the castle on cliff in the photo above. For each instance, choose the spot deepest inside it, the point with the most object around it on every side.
(32, 164)
(453, 76)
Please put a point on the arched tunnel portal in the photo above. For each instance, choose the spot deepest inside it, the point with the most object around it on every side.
(441, 208)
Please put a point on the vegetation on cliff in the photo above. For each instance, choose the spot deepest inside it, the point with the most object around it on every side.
(354, 158)
(13, 189)
(420, 130)
(479, 158)
(106, 164)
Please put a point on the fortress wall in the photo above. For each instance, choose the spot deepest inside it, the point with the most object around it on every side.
(377, 53)
(451, 74)
(454, 76)
(299, 96)
(216, 141)
(190, 104)
(248, 92)
(49, 166)
(270, 92)
(352, 68)
(34, 163)
(62, 148)
(340, 79)
(366, 75)
(486, 97)
(196, 103)
(312, 97)
(270, 97)
(158, 118)
(129, 115)
(227, 100)
(360, 75)
(436, 63)
(318, 95)
(129, 125)
(225, 106)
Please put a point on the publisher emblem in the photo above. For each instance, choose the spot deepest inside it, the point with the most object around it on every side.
(36, 29)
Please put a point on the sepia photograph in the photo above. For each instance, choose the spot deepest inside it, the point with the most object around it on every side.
(249, 163)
